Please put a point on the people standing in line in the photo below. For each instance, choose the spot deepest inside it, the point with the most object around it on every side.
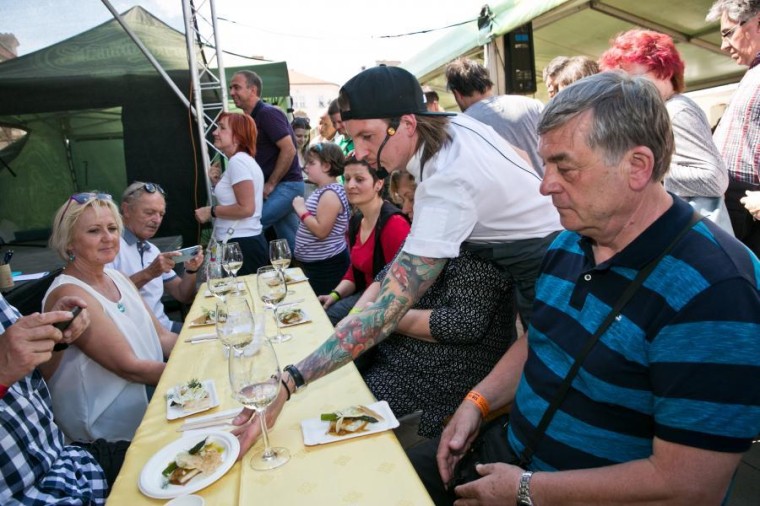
(655, 414)
(574, 69)
(550, 74)
(276, 154)
(376, 232)
(514, 117)
(738, 133)
(302, 132)
(326, 131)
(473, 191)
(321, 238)
(37, 466)
(98, 385)
(342, 139)
(697, 173)
(143, 206)
(239, 193)
(432, 100)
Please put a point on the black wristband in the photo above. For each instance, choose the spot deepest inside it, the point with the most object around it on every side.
(296, 375)
(188, 271)
(60, 346)
(213, 211)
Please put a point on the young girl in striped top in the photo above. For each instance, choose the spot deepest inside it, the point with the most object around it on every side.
(321, 238)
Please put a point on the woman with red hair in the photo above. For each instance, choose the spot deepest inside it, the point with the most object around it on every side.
(239, 193)
(697, 173)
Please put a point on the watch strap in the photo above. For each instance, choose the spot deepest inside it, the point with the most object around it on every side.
(296, 375)
(523, 490)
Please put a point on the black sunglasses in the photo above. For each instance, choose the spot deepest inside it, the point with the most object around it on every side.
(150, 188)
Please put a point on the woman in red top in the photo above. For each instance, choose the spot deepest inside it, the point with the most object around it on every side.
(374, 218)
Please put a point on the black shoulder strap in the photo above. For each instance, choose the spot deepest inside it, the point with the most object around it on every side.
(537, 436)
(386, 212)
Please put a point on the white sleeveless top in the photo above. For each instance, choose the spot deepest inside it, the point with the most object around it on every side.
(89, 401)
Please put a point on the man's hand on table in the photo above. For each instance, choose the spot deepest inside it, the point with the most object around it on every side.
(249, 428)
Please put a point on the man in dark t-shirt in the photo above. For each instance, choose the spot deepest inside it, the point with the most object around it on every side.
(275, 154)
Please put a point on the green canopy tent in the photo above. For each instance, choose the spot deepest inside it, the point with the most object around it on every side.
(99, 116)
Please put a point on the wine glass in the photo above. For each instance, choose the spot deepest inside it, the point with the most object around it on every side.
(279, 253)
(218, 283)
(272, 290)
(232, 261)
(234, 322)
(255, 379)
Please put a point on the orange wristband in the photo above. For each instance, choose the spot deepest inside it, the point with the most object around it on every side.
(480, 401)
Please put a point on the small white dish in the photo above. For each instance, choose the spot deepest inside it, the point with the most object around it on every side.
(315, 430)
(187, 500)
(293, 276)
(174, 412)
(153, 484)
(303, 316)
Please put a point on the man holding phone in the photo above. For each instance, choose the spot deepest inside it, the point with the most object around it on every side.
(142, 208)
(36, 466)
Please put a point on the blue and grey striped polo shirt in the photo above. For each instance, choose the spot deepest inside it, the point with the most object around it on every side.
(681, 363)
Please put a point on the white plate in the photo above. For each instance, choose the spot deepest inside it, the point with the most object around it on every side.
(294, 276)
(315, 430)
(151, 480)
(174, 412)
(304, 317)
(241, 289)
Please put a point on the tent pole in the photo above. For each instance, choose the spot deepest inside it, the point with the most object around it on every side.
(148, 55)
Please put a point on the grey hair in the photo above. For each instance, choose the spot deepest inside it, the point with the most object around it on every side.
(133, 192)
(627, 112)
(738, 10)
(554, 66)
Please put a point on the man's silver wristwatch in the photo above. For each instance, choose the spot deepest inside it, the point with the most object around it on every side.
(523, 490)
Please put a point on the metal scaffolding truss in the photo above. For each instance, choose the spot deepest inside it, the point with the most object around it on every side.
(204, 52)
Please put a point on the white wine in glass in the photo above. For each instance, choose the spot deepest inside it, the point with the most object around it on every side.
(272, 290)
(234, 322)
(218, 283)
(232, 261)
(255, 378)
(279, 253)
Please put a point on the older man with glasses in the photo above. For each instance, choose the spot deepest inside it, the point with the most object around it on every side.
(738, 133)
(143, 206)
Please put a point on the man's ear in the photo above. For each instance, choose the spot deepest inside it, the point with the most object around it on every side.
(408, 124)
(640, 166)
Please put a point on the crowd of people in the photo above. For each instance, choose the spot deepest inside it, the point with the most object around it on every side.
(610, 225)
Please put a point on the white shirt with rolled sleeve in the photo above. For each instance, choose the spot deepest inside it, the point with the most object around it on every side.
(475, 189)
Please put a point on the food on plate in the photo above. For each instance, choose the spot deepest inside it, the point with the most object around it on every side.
(207, 318)
(290, 316)
(203, 458)
(350, 420)
(190, 396)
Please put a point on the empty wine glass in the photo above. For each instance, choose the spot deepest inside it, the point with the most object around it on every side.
(255, 379)
(218, 283)
(234, 322)
(232, 261)
(272, 290)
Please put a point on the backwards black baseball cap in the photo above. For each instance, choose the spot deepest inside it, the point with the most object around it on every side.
(384, 92)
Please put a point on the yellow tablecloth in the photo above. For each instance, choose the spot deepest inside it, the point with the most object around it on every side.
(371, 470)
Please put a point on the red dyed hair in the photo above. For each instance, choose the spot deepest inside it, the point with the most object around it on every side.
(654, 50)
(243, 131)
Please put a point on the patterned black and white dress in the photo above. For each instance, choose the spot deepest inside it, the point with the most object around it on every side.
(473, 324)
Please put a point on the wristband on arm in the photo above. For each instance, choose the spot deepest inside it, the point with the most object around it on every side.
(305, 215)
(335, 295)
(480, 401)
(3, 391)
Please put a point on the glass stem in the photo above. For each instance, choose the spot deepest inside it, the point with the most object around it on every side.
(268, 452)
(276, 322)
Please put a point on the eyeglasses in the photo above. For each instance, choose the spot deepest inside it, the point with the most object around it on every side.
(317, 147)
(82, 199)
(729, 33)
(150, 188)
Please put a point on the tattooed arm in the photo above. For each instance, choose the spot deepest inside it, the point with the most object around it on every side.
(408, 278)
